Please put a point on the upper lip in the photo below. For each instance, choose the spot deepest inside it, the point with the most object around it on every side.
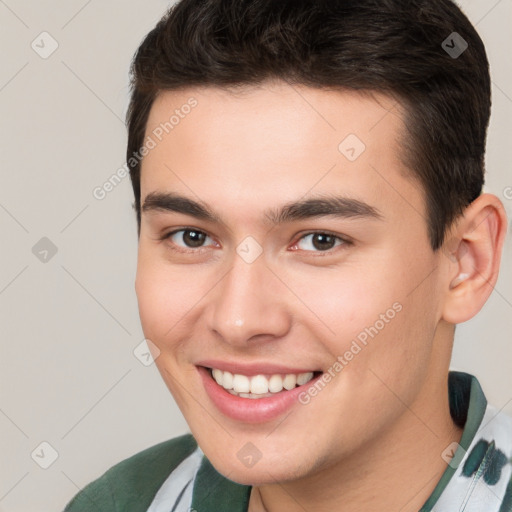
(251, 369)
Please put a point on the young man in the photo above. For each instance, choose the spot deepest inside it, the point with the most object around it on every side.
(308, 187)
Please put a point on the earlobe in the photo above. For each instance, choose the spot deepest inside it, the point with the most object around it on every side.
(472, 269)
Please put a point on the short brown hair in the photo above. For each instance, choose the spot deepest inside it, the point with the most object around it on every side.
(399, 47)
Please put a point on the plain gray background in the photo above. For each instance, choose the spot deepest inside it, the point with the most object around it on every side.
(69, 320)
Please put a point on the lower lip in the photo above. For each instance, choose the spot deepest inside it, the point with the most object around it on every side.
(251, 410)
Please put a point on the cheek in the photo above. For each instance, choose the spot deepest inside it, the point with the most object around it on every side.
(374, 312)
(166, 303)
(165, 296)
(346, 301)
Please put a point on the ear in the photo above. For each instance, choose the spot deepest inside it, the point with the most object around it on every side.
(474, 254)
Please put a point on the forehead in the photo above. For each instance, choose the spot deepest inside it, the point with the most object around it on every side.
(265, 145)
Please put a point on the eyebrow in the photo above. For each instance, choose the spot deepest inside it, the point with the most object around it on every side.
(321, 206)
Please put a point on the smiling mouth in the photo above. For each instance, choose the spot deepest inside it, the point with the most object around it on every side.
(260, 386)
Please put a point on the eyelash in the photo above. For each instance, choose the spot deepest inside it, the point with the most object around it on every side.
(345, 242)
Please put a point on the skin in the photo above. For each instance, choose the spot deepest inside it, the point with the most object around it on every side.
(372, 439)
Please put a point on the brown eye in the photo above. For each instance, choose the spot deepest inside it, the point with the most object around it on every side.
(189, 238)
(319, 242)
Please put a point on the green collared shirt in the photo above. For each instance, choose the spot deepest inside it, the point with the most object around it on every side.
(175, 476)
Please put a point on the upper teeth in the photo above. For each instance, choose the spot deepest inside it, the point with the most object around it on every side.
(259, 384)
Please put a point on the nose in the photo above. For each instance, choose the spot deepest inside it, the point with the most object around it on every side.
(248, 305)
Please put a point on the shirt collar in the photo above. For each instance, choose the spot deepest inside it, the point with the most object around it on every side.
(478, 473)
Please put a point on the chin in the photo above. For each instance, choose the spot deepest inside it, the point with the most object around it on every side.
(265, 471)
(264, 475)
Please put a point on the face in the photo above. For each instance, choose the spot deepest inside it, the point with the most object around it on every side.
(284, 246)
